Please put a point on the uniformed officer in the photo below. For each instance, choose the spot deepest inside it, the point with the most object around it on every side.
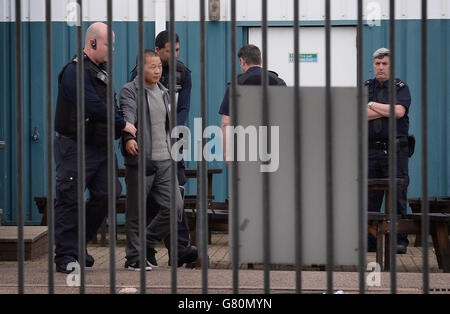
(378, 111)
(65, 148)
(183, 85)
(250, 62)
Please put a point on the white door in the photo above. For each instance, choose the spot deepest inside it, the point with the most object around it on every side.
(312, 54)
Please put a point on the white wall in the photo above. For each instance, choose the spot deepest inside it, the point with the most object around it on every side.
(247, 10)
(312, 41)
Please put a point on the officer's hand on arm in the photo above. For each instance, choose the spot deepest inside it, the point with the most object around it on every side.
(132, 147)
(129, 128)
(384, 110)
(372, 115)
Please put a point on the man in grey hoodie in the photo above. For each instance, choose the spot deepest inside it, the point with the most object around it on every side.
(157, 160)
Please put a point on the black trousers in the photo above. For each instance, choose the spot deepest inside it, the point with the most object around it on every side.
(379, 168)
(66, 207)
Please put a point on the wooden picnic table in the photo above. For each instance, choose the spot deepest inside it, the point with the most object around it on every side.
(382, 184)
(411, 224)
(439, 204)
(191, 173)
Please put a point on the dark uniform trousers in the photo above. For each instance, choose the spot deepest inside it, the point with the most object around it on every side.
(66, 207)
(379, 168)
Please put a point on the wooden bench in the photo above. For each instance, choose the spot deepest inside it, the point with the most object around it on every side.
(439, 228)
(217, 220)
(435, 204)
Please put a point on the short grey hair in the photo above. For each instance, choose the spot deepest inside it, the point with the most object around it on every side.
(380, 53)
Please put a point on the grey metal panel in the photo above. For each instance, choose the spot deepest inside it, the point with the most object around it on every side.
(345, 137)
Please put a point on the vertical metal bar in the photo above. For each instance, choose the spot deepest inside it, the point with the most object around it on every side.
(203, 175)
(266, 181)
(141, 156)
(173, 119)
(329, 151)
(298, 158)
(81, 152)
(425, 204)
(49, 138)
(362, 156)
(111, 157)
(234, 168)
(19, 141)
(392, 150)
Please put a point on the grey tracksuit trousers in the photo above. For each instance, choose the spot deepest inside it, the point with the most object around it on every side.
(158, 185)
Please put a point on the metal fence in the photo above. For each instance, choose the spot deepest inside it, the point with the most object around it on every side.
(362, 177)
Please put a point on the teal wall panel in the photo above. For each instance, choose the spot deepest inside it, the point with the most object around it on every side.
(218, 75)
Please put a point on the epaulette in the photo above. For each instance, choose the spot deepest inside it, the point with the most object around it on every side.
(75, 58)
(368, 82)
(399, 83)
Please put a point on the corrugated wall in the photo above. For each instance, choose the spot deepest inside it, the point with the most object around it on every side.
(64, 46)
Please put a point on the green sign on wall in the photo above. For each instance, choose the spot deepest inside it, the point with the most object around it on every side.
(304, 57)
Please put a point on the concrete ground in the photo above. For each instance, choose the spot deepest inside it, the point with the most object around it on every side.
(282, 279)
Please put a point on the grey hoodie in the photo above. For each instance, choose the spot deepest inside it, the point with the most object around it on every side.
(129, 107)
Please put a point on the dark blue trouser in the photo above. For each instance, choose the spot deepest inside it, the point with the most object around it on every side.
(379, 168)
(66, 207)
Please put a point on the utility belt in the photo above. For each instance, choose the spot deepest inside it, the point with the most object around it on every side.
(403, 141)
(96, 133)
(57, 134)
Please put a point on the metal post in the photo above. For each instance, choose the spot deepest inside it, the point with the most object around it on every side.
(19, 141)
(203, 166)
(329, 151)
(173, 181)
(50, 196)
(111, 157)
(362, 156)
(234, 169)
(298, 160)
(392, 151)
(425, 204)
(266, 181)
(141, 155)
(81, 152)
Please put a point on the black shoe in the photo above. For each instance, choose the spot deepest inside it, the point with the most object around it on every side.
(151, 259)
(401, 249)
(66, 268)
(191, 265)
(89, 260)
(135, 266)
(186, 255)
